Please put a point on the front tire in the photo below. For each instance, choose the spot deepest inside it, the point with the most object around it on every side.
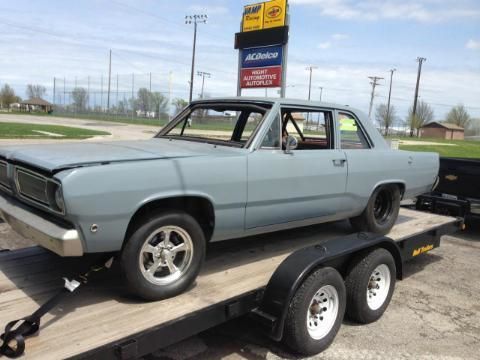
(381, 212)
(315, 313)
(163, 255)
(370, 283)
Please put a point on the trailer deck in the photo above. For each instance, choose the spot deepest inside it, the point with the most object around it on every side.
(100, 320)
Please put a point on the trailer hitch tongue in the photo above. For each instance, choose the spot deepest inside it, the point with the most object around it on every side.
(13, 338)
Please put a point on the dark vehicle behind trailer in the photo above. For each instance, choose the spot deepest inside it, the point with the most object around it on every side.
(458, 189)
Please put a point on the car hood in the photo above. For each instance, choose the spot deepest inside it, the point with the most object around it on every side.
(60, 156)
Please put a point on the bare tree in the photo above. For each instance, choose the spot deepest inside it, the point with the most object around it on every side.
(459, 116)
(80, 99)
(8, 96)
(158, 103)
(179, 104)
(37, 91)
(385, 117)
(423, 116)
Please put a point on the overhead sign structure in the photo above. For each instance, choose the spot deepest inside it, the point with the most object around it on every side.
(262, 56)
(262, 42)
(265, 77)
(265, 15)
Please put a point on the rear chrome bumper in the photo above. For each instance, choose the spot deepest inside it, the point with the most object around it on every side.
(62, 241)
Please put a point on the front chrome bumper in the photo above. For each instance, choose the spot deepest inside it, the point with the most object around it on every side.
(62, 241)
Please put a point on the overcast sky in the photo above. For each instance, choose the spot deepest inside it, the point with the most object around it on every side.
(347, 40)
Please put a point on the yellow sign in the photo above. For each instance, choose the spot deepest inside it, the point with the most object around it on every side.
(275, 13)
(264, 15)
(253, 17)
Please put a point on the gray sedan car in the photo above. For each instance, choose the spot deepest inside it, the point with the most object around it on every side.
(221, 169)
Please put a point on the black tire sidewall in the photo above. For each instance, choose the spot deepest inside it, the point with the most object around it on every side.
(356, 282)
(136, 282)
(367, 221)
(296, 334)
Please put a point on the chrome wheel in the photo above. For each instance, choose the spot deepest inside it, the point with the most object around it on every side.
(378, 286)
(166, 255)
(322, 312)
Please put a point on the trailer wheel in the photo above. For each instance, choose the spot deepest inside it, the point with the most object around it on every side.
(163, 256)
(315, 312)
(370, 283)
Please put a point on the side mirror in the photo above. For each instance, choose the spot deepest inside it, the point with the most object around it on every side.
(291, 143)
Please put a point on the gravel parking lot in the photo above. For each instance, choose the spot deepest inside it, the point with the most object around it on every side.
(434, 314)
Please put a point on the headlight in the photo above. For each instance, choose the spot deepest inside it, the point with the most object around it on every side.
(59, 199)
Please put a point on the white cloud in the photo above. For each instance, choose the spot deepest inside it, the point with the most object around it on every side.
(339, 37)
(418, 10)
(473, 44)
(325, 45)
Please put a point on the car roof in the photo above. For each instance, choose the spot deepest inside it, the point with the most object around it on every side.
(282, 101)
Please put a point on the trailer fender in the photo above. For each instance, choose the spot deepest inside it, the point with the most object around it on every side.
(297, 266)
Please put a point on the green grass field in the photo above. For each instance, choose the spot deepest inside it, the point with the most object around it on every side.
(460, 148)
(32, 131)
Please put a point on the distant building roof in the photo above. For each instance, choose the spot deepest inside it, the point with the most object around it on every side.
(444, 125)
(36, 101)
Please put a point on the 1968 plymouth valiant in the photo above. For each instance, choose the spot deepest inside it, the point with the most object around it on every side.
(221, 169)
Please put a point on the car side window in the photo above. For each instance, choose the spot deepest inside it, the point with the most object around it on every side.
(312, 128)
(351, 134)
(272, 137)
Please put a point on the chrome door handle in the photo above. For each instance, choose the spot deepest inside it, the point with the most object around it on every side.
(339, 162)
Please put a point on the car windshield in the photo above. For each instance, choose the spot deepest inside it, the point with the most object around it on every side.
(225, 124)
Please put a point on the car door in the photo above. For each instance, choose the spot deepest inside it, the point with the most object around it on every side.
(304, 184)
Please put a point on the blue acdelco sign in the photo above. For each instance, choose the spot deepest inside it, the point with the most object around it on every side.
(262, 56)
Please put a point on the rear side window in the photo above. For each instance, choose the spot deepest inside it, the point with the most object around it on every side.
(351, 134)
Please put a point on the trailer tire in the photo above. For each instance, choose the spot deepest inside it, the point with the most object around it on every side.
(172, 246)
(306, 331)
(381, 212)
(370, 283)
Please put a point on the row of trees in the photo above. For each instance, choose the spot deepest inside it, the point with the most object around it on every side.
(8, 95)
(458, 115)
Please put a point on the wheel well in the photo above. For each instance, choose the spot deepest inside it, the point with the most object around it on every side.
(200, 208)
(401, 187)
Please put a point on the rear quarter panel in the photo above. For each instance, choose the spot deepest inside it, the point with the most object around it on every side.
(370, 168)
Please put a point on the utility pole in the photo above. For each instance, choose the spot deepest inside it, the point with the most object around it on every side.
(64, 92)
(116, 98)
(310, 69)
(88, 91)
(150, 88)
(101, 93)
(109, 79)
(389, 96)
(194, 19)
(54, 91)
(133, 87)
(203, 75)
(321, 92)
(414, 110)
(374, 83)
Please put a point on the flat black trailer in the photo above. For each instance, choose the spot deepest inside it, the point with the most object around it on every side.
(271, 277)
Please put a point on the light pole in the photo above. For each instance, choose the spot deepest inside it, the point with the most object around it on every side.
(310, 69)
(194, 19)
(203, 75)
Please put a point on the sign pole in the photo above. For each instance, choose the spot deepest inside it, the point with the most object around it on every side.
(239, 70)
(284, 60)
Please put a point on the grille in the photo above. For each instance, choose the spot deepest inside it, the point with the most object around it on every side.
(3, 174)
(32, 186)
